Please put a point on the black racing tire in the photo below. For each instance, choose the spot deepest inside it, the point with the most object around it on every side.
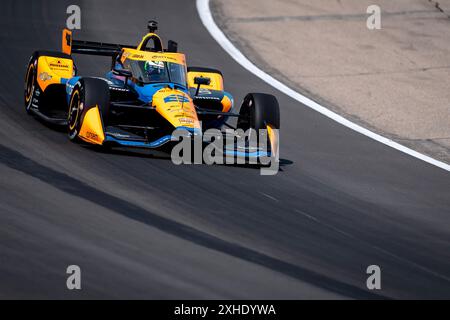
(30, 83)
(87, 93)
(259, 110)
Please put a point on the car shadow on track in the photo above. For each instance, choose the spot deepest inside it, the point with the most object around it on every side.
(162, 155)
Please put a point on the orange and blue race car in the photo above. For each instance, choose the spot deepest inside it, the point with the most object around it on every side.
(148, 94)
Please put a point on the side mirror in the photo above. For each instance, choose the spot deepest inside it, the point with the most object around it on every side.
(172, 46)
(199, 81)
(122, 73)
(202, 80)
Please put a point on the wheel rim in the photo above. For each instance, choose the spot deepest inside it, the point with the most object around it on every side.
(29, 89)
(74, 110)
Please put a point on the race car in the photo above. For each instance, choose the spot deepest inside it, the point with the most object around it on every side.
(148, 94)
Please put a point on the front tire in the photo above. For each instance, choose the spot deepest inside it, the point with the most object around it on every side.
(87, 93)
(259, 110)
(74, 113)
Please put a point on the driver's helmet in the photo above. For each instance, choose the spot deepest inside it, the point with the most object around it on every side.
(154, 70)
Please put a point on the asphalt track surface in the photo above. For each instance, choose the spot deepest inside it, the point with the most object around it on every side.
(142, 227)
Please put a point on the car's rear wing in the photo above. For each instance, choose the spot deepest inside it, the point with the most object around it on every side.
(69, 46)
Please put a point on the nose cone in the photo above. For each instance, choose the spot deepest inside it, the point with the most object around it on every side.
(176, 107)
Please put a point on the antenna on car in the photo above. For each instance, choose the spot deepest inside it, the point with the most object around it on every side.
(152, 26)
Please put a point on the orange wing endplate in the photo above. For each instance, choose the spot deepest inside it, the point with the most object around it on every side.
(67, 41)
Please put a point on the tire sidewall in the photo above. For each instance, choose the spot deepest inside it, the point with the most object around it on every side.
(73, 126)
(30, 93)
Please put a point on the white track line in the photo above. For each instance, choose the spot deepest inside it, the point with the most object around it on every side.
(208, 21)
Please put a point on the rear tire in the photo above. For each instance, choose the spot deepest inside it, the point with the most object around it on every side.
(30, 83)
(259, 110)
(86, 94)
